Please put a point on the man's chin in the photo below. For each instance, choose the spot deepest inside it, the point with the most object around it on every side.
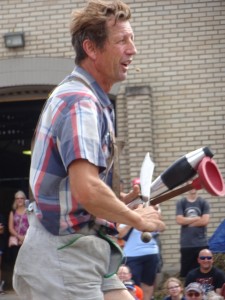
(122, 76)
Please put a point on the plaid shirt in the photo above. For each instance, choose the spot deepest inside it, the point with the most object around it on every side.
(76, 123)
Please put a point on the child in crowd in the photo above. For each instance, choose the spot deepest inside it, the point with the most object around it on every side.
(174, 289)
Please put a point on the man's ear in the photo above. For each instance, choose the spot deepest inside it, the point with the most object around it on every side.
(90, 48)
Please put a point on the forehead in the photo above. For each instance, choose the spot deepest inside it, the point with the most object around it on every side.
(205, 253)
(19, 195)
(172, 283)
(123, 269)
(120, 28)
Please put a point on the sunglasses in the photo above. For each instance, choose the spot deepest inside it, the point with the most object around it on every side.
(205, 257)
(195, 294)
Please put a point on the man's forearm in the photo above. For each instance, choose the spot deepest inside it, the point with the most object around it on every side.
(181, 220)
(198, 223)
(201, 222)
(99, 200)
(104, 204)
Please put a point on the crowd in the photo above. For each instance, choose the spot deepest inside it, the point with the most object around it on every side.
(198, 277)
(142, 262)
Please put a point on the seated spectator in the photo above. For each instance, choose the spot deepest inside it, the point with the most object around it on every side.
(174, 289)
(194, 291)
(124, 274)
(18, 223)
(131, 288)
(210, 277)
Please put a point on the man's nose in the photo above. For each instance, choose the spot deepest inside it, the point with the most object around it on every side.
(132, 50)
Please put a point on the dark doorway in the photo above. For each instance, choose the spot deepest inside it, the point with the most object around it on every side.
(17, 124)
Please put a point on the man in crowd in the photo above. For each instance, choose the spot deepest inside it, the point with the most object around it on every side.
(210, 277)
(125, 275)
(194, 291)
(192, 213)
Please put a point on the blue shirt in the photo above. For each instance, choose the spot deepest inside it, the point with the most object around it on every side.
(135, 247)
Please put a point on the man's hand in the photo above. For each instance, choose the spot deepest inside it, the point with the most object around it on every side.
(150, 219)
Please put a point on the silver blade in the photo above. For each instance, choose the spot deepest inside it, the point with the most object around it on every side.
(146, 173)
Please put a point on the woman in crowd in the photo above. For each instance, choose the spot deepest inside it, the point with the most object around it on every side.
(18, 224)
(142, 259)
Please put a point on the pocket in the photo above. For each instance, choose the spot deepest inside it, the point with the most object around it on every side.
(116, 255)
(85, 261)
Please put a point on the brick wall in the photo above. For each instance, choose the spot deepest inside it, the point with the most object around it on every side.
(181, 57)
(173, 100)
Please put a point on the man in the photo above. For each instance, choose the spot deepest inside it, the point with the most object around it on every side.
(210, 277)
(67, 253)
(194, 291)
(192, 213)
(124, 274)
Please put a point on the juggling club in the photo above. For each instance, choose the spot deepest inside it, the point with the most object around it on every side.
(179, 172)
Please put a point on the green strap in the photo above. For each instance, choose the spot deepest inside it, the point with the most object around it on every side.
(69, 243)
(118, 249)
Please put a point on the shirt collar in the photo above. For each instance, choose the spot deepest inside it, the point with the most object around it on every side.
(102, 96)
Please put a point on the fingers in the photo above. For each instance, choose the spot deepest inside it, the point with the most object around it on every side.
(147, 210)
(151, 219)
(132, 195)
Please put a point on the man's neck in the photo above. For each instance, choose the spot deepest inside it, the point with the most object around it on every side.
(103, 82)
(205, 270)
(191, 198)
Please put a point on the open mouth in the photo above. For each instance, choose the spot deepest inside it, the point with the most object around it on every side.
(125, 65)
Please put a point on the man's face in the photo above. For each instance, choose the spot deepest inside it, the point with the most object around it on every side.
(112, 62)
(124, 274)
(205, 260)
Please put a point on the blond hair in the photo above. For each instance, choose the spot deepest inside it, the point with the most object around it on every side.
(18, 193)
(91, 23)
